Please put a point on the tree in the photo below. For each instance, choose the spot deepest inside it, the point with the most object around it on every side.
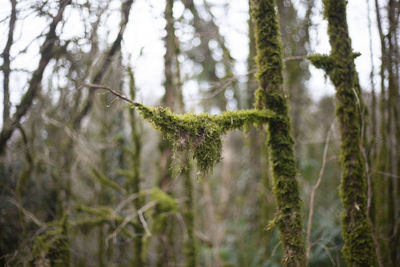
(270, 96)
(339, 65)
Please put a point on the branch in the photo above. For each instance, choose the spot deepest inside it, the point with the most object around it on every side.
(314, 189)
(200, 133)
(6, 62)
(112, 91)
(46, 51)
(115, 48)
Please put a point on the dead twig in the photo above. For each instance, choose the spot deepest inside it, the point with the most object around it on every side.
(115, 93)
(314, 189)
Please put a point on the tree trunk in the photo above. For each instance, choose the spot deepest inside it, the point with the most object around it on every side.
(270, 96)
(358, 248)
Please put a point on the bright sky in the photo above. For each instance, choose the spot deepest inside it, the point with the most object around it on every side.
(143, 41)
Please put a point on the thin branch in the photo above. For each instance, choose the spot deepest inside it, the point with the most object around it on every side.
(6, 62)
(27, 214)
(314, 189)
(112, 91)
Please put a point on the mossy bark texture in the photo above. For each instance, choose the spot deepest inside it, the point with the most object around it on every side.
(270, 96)
(358, 249)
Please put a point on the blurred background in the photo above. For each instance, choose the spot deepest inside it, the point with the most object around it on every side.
(84, 180)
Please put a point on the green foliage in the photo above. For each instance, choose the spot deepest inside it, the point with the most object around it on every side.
(201, 133)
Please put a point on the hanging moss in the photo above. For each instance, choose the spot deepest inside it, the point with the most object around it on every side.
(201, 133)
(270, 96)
(358, 249)
(105, 181)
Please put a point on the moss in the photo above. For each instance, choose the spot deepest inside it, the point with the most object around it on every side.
(270, 96)
(201, 133)
(52, 246)
(165, 202)
(358, 249)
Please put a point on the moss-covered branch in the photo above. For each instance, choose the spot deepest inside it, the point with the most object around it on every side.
(201, 133)
(52, 247)
(325, 62)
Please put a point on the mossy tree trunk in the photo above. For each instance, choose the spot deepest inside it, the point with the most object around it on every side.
(258, 165)
(358, 249)
(270, 95)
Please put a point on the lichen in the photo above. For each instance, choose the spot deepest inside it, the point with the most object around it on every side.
(201, 133)
(325, 62)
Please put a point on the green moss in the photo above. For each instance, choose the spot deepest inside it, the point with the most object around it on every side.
(201, 133)
(358, 249)
(165, 202)
(52, 246)
(270, 96)
(190, 248)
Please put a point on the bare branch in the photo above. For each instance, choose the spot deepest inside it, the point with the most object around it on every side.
(98, 86)
(314, 189)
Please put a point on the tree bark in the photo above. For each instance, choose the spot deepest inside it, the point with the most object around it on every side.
(34, 84)
(270, 95)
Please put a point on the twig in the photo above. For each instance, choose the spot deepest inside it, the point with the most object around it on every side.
(129, 218)
(126, 201)
(98, 86)
(28, 214)
(293, 58)
(386, 174)
(314, 189)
